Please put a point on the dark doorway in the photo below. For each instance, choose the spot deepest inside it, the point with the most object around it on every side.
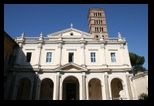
(70, 91)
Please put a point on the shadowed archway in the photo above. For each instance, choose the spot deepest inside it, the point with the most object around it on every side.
(24, 88)
(116, 87)
(46, 92)
(70, 88)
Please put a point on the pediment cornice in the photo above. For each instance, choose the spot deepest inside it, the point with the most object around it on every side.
(70, 66)
(68, 30)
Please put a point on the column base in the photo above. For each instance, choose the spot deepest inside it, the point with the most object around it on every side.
(83, 65)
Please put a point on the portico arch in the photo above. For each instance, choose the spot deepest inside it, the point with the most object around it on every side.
(46, 92)
(116, 87)
(70, 88)
(95, 92)
(24, 88)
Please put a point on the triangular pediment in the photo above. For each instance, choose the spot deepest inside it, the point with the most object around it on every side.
(70, 32)
(71, 67)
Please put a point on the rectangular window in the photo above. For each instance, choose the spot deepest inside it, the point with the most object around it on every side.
(49, 57)
(28, 57)
(93, 57)
(113, 58)
(71, 57)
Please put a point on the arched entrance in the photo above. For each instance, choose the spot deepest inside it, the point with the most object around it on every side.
(46, 92)
(71, 88)
(116, 87)
(95, 92)
(24, 88)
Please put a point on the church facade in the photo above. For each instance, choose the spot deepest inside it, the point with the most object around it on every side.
(73, 65)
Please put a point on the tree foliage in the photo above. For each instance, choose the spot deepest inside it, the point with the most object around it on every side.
(136, 59)
(137, 62)
(139, 68)
(143, 96)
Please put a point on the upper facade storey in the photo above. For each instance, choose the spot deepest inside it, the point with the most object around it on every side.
(70, 35)
(72, 45)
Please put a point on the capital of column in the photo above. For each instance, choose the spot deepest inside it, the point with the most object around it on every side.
(82, 46)
(83, 65)
(21, 45)
(39, 46)
(60, 46)
(102, 46)
(122, 46)
(82, 40)
(58, 73)
(106, 74)
(83, 74)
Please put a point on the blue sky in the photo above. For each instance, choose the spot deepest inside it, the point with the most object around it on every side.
(131, 20)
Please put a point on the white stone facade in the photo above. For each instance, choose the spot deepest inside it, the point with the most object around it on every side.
(80, 64)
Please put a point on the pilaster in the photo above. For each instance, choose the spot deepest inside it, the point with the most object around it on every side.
(106, 86)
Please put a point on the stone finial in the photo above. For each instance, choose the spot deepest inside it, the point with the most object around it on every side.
(71, 25)
(41, 36)
(60, 37)
(22, 35)
(82, 38)
(119, 35)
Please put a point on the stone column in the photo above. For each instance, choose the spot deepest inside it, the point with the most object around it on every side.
(60, 87)
(11, 90)
(87, 89)
(102, 87)
(59, 54)
(19, 53)
(83, 86)
(38, 54)
(106, 86)
(38, 88)
(40, 42)
(129, 87)
(83, 54)
(57, 85)
(103, 58)
(15, 88)
(82, 42)
(122, 54)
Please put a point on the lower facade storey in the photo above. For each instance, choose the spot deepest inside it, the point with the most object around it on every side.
(68, 86)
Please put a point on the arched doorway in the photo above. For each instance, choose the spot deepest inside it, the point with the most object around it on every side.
(95, 92)
(116, 87)
(24, 88)
(71, 88)
(46, 92)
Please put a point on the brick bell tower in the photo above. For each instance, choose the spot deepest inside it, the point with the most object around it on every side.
(97, 23)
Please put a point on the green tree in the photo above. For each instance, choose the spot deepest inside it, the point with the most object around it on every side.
(143, 96)
(137, 62)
